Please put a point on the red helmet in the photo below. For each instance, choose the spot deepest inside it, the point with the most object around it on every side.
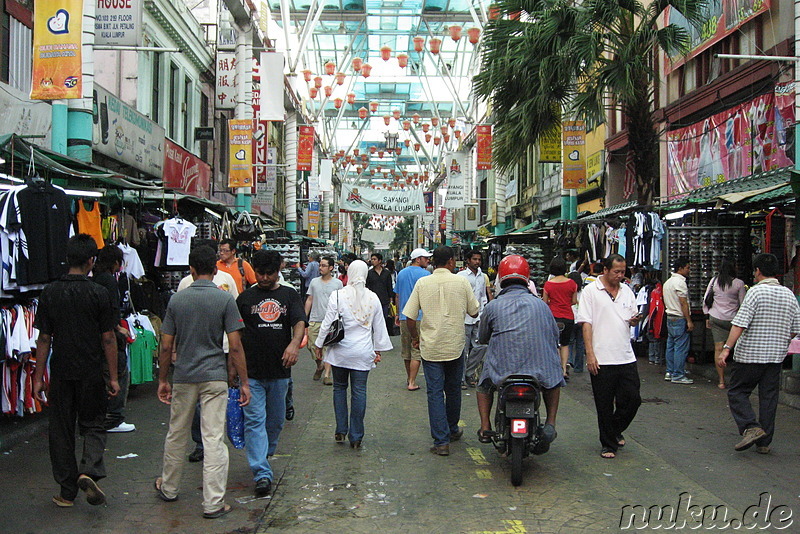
(514, 267)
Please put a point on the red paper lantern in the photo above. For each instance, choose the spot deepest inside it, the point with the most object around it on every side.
(328, 90)
(452, 122)
(364, 158)
(359, 169)
(406, 126)
(337, 103)
(435, 121)
(307, 75)
(447, 138)
(428, 138)
(419, 42)
(366, 69)
(416, 182)
(407, 142)
(373, 106)
(362, 112)
(386, 119)
(416, 147)
(436, 45)
(380, 155)
(404, 173)
(396, 114)
(455, 32)
(356, 152)
(351, 98)
(357, 63)
(402, 60)
(373, 149)
(330, 68)
(386, 52)
(457, 133)
(437, 140)
(372, 172)
(408, 181)
(379, 168)
(444, 129)
(318, 81)
(415, 118)
(388, 187)
(340, 78)
(344, 163)
(426, 127)
(312, 92)
(398, 150)
(373, 186)
(474, 34)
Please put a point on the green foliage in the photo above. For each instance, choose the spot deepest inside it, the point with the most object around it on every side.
(403, 235)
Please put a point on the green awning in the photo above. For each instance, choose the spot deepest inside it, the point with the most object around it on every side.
(525, 228)
(611, 210)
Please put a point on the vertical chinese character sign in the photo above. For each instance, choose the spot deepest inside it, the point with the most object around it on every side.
(57, 42)
(226, 80)
(240, 136)
(484, 135)
(305, 148)
(574, 154)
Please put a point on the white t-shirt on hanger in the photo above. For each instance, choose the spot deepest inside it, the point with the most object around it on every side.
(179, 240)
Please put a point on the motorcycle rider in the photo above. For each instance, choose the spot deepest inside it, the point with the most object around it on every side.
(522, 338)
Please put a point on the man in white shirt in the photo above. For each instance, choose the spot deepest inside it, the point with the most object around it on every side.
(679, 323)
(319, 291)
(481, 288)
(607, 310)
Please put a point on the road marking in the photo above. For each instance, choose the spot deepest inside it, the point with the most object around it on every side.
(477, 456)
(514, 527)
(483, 473)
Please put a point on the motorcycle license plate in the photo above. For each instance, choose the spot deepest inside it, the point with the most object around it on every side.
(519, 427)
(519, 409)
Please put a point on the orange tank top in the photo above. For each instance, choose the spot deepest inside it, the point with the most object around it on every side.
(89, 222)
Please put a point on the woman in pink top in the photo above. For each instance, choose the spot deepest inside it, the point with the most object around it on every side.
(561, 293)
(725, 293)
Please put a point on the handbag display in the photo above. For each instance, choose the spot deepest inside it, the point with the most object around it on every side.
(245, 229)
(336, 331)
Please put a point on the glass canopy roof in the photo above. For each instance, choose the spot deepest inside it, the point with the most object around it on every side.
(434, 84)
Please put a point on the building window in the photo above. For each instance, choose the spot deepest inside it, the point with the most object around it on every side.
(188, 114)
(5, 44)
(175, 86)
(155, 105)
(204, 104)
(16, 45)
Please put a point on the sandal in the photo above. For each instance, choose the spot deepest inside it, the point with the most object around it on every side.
(721, 385)
(620, 440)
(61, 502)
(160, 492)
(217, 513)
(485, 436)
(608, 453)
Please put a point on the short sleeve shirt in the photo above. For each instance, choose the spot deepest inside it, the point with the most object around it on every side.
(75, 312)
(674, 289)
(561, 298)
(769, 315)
(406, 280)
(179, 240)
(320, 291)
(198, 316)
(611, 339)
(269, 316)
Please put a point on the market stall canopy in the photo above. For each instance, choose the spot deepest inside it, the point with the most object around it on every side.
(19, 152)
(738, 190)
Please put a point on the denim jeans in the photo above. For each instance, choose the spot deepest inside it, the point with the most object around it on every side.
(655, 350)
(677, 346)
(263, 422)
(443, 381)
(358, 401)
(577, 351)
(471, 363)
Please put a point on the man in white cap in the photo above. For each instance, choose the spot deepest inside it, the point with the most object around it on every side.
(406, 279)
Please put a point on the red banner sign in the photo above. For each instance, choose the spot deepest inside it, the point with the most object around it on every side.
(305, 148)
(484, 135)
(185, 171)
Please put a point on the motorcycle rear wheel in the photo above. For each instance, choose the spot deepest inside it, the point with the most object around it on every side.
(517, 452)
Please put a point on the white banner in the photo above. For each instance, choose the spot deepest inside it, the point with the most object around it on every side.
(379, 201)
(455, 180)
(272, 89)
(265, 192)
(325, 175)
(313, 188)
(124, 134)
(118, 22)
(226, 80)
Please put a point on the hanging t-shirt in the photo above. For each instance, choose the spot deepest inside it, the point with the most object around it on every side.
(141, 356)
(131, 263)
(89, 222)
(179, 239)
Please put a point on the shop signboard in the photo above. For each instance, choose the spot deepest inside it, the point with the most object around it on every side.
(124, 134)
(594, 164)
(305, 148)
(721, 18)
(550, 146)
(484, 138)
(746, 139)
(265, 190)
(226, 80)
(455, 180)
(57, 64)
(377, 201)
(313, 219)
(21, 116)
(574, 166)
(335, 228)
(118, 22)
(185, 172)
(240, 166)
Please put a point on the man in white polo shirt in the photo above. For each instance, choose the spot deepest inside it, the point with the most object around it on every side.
(607, 310)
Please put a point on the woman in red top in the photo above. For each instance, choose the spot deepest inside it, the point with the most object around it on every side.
(561, 293)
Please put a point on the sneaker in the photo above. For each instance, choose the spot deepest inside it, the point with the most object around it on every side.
(682, 380)
(94, 495)
(289, 413)
(263, 487)
(750, 436)
(328, 381)
(196, 455)
(317, 374)
(122, 427)
(667, 377)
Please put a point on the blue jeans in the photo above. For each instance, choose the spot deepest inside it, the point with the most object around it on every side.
(443, 381)
(263, 422)
(577, 351)
(358, 401)
(655, 350)
(677, 346)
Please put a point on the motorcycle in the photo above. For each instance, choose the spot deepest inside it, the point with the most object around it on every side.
(518, 429)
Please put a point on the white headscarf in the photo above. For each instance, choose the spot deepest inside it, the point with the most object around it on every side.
(357, 293)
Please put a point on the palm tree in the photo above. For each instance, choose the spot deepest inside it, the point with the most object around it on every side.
(403, 235)
(582, 59)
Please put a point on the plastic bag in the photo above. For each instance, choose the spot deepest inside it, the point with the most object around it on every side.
(234, 421)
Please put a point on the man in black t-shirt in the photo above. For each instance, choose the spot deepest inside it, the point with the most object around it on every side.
(75, 318)
(379, 281)
(275, 322)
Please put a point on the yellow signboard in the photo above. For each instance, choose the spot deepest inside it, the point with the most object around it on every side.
(550, 147)
(57, 35)
(240, 166)
(574, 154)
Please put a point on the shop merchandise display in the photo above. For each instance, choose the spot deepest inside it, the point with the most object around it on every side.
(18, 360)
(538, 256)
(291, 256)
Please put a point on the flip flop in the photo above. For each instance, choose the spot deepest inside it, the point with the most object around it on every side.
(61, 502)
(620, 440)
(161, 495)
(217, 513)
(485, 436)
(608, 453)
(412, 389)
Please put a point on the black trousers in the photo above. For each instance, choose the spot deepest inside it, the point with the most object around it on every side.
(744, 379)
(83, 401)
(616, 398)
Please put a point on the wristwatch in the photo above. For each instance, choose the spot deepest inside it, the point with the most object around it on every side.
(726, 346)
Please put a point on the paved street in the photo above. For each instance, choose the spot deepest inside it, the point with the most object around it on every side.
(681, 442)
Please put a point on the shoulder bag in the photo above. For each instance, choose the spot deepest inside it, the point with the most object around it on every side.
(709, 302)
(336, 331)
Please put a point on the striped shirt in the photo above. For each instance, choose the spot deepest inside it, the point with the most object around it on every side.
(770, 317)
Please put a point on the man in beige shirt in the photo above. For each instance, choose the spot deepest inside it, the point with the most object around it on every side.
(445, 299)
(679, 323)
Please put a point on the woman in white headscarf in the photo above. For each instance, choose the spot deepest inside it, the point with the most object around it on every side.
(365, 336)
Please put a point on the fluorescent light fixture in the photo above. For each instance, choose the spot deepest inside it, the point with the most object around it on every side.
(214, 213)
(84, 193)
(678, 214)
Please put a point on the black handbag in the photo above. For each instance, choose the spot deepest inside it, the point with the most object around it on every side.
(245, 229)
(336, 331)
